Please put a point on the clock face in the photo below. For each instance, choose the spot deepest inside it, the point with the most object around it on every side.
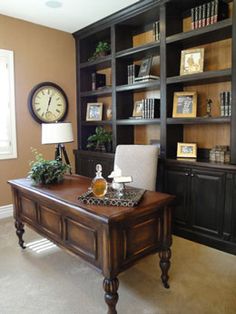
(48, 103)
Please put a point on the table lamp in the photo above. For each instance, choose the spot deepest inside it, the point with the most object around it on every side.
(58, 133)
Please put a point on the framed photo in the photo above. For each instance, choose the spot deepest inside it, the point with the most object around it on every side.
(145, 67)
(185, 105)
(187, 150)
(138, 109)
(192, 61)
(94, 112)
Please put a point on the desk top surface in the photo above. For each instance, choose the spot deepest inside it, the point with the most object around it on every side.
(74, 185)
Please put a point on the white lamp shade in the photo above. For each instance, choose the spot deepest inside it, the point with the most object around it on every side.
(54, 133)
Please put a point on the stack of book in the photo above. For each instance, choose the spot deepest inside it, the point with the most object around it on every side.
(225, 104)
(208, 13)
(146, 78)
(220, 153)
(156, 30)
(150, 109)
(133, 70)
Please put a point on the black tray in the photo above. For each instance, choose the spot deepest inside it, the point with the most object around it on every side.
(130, 198)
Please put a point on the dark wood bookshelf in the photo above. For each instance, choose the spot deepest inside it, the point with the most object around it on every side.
(206, 203)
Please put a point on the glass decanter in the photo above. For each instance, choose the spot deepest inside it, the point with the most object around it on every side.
(99, 184)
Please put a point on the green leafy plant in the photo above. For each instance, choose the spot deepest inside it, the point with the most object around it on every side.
(46, 171)
(102, 49)
(100, 139)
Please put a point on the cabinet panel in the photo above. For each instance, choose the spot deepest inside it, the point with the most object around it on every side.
(207, 200)
(85, 163)
(177, 183)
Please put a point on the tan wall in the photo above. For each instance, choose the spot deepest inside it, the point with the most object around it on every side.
(40, 54)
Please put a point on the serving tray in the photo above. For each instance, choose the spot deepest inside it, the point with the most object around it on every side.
(129, 198)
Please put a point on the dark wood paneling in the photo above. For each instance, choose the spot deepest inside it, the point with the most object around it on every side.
(82, 238)
(28, 209)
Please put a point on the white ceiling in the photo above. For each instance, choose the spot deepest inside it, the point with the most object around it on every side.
(70, 17)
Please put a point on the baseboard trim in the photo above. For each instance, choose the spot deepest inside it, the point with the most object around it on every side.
(6, 211)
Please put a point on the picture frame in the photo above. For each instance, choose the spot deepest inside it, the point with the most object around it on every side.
(184, 105)
(186, 150)
(94, 111)
(138, 109)
(145, 67)
(192, 61)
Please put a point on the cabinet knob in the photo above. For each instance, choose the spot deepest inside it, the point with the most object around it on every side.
(192, 175)
(186, 174)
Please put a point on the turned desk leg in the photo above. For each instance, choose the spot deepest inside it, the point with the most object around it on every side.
(19, 232)
(165, 265)
(110, 287)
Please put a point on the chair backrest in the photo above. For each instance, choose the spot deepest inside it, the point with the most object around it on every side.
(140, 162)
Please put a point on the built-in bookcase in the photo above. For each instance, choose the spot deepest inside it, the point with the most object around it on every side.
(205, 191)
(131, 35)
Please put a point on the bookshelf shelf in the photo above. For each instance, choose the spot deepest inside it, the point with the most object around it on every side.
(139, 86)
(202, 78)
(101, 92)
(103, 122)
(138, 121)
(136, 53)
(207, 34)
(199, 120)
(103, 62)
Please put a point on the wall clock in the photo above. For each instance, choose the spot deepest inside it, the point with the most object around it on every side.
(47, 103)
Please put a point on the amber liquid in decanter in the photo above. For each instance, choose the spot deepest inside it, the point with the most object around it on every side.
(99, 184)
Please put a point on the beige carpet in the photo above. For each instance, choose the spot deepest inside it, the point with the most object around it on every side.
(202, 281)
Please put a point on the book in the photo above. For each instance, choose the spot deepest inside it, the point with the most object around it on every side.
(192, 18)
(199, 16)
(208, 13)
(227, 95)
(222, 104)
(204, 6)
(156, 30)
(196, 17)
(98, 80)
(133, 70)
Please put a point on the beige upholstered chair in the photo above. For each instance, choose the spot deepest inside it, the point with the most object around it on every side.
(140, 162)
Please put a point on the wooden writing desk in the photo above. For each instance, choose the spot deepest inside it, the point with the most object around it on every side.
(110, 238)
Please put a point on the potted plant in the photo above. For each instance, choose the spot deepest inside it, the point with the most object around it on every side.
(46, 171)
(101, 140)
(101, 50)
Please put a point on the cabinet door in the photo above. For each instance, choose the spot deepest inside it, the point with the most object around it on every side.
(177, 183)
(207, 201)
(233, 226)
(86, 164)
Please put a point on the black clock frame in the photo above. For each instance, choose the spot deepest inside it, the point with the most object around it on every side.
(31, 95)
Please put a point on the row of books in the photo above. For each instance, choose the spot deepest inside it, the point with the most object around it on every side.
(208, 13)
(133, 70)
(156, 30)
(148, 108)
(225, 104)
